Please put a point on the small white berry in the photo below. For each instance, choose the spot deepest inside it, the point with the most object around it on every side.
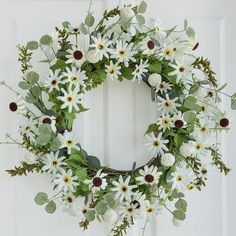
(167, 159)
(154, 80)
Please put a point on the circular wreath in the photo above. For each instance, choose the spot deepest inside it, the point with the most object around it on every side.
(123, 48)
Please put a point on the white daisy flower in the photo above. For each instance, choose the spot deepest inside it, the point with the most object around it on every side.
(101, 45)
(124, 52)
(53, 163)
(222, 120)
(129, 211)
(167, 105)
(75, 77)
(139, 202)
(65, 181)
(76, 56)
(83, 209)
(98, 182)
(70, 99)
(204, 129)
(147, 46)
(181, 178)
(122, 189)
(165, 122)
(150, 175)
(179, 121)
(152, 211)
(28, 128)
(163, 87)
(182, 70)
(19, 106)
(159, 32)
(113, 70)
(140, 70)
(50, 120)
(156, 145)
(200, 148)
(53, 80)
(69, 140)
(69, 201)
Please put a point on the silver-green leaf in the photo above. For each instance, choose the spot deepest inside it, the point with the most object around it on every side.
(41, 198)
(46, 40)
(32, 45)
(89, 20)
(142, 7)
(51, 207)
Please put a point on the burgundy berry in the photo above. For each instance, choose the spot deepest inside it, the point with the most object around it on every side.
(78, 55)
(196, 46)
(179, 123)
(150, 44)
(13, 106)
(149, 178)
(47, 120)
(224, 122)
(97, 182)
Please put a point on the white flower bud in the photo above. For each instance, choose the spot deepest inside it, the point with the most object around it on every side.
(110, 216)
(30, 158)
(186, 149)
(154, 80)
(167, 160)
(127, 12)
(92, 56)
(177, 223)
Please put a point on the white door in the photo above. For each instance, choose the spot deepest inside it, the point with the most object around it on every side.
(118, 120)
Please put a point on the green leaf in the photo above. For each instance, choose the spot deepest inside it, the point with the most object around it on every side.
(83, 29)
(190, 32)
(43, 139)
(30, 98)
(90, 215)
(189, 116)
(93, 162)
(233, 103)
(89, 20)
(142, 7)
(45, 129)
(76, 161)
(179, 215)
(32, 45)
(32, 77)
(51, 207)
(175, 194)
(190, 103)
(194, 88)
(24, 85)
(110, 200)
(127, 73)
(66, 24)
(60, 64)
(152, 128)
(140, 19)
(101, 208)
(46, 40)
(155, 68)
(55, 145)
(81, 174)
(222, 87)
(36, 91)
(179, 139)
(41, 198)
(181, 204)
(168, 32)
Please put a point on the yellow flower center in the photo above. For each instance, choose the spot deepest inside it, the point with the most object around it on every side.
(121, 53)
(69, 143)
(54, 163)
(84, 211)
(179, 179)
(100, 46)
(168, 52)
(168, 104)
(156, 143)
(111, 71)
(203, 129)
(198, 146)
(124, 189)
(69, 99)
(165, 122)
(74, 78)
(181, 69)
(149, 210)
(67, 179)
(190, 186)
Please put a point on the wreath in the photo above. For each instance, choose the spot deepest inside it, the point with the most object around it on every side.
(119, 47)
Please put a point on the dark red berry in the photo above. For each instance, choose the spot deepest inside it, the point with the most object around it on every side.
(224, 122)
(97, 182)
(47, 120)
(54, 82)
(149, 178)
(150, 44)
(179, 123)
(62, 131)
(196, 46)
(136, 204)
(13, 106)
(78, 55)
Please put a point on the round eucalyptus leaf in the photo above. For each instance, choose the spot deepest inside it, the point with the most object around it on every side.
(24, 85)
(179, 215)
(32, 77)
(89, 20)
(41, 198)
(32, 45)
(51, 207)
(46, 40)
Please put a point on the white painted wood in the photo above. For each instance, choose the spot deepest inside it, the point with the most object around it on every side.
(118, 116)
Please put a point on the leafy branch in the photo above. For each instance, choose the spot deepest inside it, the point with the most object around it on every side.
(205, 66)
(218, 162)
(25, 169)
(25, 57)
(122, 229)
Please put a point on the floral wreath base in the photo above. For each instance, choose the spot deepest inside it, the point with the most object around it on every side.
(81, 58)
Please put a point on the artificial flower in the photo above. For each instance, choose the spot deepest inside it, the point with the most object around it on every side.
(113, 70)
(154, 80)
(167, 105)
(50, 120)
(19, 106)
(167, 159)
(140, 70)
(53, 80)
(76, 55)
(165, 122)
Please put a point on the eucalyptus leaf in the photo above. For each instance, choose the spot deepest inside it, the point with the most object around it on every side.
(41, 198)
(55, 145)
(46, 40)
(140, 19)
(233, 103)
(32, 45)
(90, 215)
(181, 204)
(89, 20)
(110, 200)
(66, 24)
(190, 32)
(142, 7)
(179, 215)
(43, 139)
(185, 24)
(35, 91)
(83, 29)
(101, 208)
(51, 207)
(32, 77)
(189, 116)
(45, 129)
(24, 85)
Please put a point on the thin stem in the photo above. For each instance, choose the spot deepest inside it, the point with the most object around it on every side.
(10, 88)
(49, 61)
(144, 227)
